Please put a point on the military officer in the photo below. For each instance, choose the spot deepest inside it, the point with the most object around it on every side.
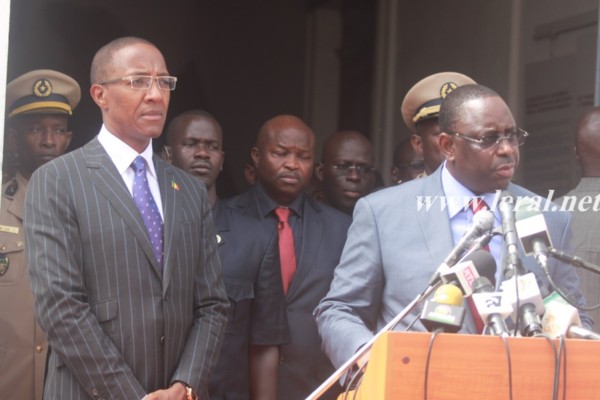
(39, 104)
(421, 109)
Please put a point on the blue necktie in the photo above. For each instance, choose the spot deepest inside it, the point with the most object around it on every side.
(142, 196)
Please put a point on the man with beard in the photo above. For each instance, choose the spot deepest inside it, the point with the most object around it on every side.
(310, 237)
(346, 169)
(395, 243)
(247, 366)
(39, 104)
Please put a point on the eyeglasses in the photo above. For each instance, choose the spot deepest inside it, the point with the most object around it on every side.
(345, 168)
(415, 166)
(516, 138)
(144, 82)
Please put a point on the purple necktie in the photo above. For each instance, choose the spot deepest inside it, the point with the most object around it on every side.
(142, 196)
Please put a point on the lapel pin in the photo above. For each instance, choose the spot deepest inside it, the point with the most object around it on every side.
(174, 185)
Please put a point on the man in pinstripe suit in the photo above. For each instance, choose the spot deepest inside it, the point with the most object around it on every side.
(127, 317)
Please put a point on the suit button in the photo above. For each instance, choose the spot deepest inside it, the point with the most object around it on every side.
(166, 297)
(162, 340)
(39, 349)
(95, 392)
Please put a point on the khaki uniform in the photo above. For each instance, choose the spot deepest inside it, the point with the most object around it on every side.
(22, 342)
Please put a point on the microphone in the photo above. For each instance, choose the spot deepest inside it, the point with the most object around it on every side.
(483, 221)
(559, 316)
(573, 260)
(562, 319)
(445, 311)
(532, 231)
(485, 265)
(491, 306)
(507, 211)
(524, 290)
(462, 275)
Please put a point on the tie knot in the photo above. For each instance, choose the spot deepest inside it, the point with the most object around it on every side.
(478, 204)
(139, 164)
(282, 213)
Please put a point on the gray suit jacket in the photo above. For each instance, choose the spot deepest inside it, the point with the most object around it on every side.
(117, 328)
(393, 248)
(303, 366)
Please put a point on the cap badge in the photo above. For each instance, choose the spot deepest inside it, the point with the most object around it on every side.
(42, 88)
(447, 88)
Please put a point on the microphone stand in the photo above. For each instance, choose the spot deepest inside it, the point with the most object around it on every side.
(318, 392)
(573, 260)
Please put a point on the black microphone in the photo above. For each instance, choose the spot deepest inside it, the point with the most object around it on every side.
(573, 260)
(532, 231)
(491, 306)
(483, 221)
(512, 263)
(485, 265)
(530, 322)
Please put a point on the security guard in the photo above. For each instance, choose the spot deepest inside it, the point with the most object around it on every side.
(39, 104)
(421, 109)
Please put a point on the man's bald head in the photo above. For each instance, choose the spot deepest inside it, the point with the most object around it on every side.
(346, 169)
(587, 142)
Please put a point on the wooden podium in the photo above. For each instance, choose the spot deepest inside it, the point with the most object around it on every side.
(466, 367)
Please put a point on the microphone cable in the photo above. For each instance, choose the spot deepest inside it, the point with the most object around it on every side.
(566, 297)
(427, 361)
(354, 383)
(509, 366)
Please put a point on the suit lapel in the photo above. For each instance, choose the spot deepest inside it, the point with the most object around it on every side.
(312, 233)
(172, 211)
(434, 222)
(106, 179)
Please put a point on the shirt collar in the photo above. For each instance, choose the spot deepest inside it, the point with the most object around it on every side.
(122, 154)
(266, 204)
(458, 196)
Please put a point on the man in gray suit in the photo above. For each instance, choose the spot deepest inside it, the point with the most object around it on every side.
(586, 216)
(283, 157)
(122, 252)
(396, 242)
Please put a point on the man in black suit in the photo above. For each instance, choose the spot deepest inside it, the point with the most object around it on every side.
(257, 322)
(122, 251)
(284, 157)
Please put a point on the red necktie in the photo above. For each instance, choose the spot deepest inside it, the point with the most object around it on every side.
(477, 204)
(287, 253)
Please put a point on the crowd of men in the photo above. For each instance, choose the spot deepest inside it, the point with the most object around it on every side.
(133, 279)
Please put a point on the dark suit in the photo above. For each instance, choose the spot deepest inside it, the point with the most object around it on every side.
(303, 366)
(117, 328)
(257, 315)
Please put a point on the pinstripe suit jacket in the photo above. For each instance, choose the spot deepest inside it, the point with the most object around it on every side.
(117, 328)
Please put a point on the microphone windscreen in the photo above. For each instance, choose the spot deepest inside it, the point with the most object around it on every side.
(448, 294)
(484, 263)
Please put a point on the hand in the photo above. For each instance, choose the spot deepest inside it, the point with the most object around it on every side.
(175, 392)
